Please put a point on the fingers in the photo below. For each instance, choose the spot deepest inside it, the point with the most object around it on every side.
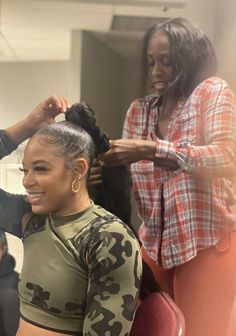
(56, 104)
(95, 177)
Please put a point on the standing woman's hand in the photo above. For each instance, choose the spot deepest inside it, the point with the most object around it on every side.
(127, 151)
(95, 175)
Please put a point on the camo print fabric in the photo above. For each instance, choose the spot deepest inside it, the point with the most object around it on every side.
(81, 273)
(84, 278)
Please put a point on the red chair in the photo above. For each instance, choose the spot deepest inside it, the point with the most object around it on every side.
(158, 315)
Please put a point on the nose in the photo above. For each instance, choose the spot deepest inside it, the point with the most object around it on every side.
(156, 69)
(28, 180)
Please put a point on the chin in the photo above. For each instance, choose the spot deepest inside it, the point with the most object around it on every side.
(40, 211)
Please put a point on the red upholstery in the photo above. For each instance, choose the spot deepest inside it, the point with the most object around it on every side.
(158, 315)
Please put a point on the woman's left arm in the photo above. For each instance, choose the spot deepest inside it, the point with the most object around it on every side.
(115, 269)
(217, 155)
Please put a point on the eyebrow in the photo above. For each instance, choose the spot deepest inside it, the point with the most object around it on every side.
(38, 162)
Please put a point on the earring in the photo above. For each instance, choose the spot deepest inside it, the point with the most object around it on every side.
(73, 188)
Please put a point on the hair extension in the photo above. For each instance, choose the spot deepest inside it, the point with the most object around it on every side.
(83, 115)
(114, 192)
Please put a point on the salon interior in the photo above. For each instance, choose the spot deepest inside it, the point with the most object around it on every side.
(89, 51)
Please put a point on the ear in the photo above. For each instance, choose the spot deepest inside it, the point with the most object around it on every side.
(81, 168)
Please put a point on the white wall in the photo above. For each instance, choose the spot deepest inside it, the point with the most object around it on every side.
(25, 84)
(225, 32)
(101, 83)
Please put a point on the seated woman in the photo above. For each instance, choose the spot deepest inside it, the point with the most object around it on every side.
(9, 301)
(82, 266)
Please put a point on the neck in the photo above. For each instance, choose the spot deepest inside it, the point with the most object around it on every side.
(167, 106)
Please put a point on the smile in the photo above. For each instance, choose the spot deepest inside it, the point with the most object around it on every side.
(35, 197)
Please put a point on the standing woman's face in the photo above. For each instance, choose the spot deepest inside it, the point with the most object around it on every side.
(159, 62)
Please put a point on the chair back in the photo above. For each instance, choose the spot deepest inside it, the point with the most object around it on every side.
(158, 315)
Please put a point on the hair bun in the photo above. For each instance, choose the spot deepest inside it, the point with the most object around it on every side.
(83, 115)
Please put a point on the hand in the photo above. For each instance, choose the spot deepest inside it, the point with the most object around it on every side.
(45, 112)
(95, 176)
(127, 151)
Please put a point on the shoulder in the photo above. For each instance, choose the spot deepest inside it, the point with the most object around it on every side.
(214, 84)
(145, 101)
(105, 221)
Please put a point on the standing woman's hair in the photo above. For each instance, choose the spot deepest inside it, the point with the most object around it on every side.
(192, 55)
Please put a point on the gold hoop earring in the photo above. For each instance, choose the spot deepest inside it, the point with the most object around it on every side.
(73, 188)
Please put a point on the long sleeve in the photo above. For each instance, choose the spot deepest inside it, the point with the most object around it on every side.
(216, 155)
(12, 209)
(201, 135)
(7, 145)
(115, 269)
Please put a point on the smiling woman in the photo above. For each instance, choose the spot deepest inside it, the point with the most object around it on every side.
(89, 267)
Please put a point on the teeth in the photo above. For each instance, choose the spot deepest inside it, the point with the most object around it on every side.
(35, 195)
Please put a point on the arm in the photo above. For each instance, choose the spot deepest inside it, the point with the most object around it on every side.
(14, 207)
(12, 210)
(115, 268)
(43, 114)
(216, 157)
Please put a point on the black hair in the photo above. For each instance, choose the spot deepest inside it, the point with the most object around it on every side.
(83, 115)
(192, 55)
(71, 141)
(80, 135)
(114, 192)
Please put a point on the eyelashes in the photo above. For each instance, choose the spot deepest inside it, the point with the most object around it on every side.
(37, 169)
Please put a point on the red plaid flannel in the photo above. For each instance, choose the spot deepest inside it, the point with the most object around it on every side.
(186, 210)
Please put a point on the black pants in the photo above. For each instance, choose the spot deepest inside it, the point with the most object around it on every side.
(9, 312)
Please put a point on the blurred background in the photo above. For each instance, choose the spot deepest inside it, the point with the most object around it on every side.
(89, 51)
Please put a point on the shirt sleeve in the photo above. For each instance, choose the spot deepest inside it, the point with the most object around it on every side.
(217, 156)
(7, 145)
(115, 269)
(12, 209)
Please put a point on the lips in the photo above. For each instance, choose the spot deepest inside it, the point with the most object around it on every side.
(159, 85)
(35, 197)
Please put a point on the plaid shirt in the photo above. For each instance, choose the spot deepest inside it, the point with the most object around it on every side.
(186, 210)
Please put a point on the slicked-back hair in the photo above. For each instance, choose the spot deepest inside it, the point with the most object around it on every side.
(192, 55)
(70, 140)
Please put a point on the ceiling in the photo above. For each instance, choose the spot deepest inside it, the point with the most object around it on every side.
(36, 30)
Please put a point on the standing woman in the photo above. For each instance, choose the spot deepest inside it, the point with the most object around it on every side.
(180, 143)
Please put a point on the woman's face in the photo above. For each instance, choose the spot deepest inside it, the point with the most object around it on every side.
(46, 179)
(159, 62)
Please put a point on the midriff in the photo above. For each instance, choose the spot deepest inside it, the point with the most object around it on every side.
(27, 329)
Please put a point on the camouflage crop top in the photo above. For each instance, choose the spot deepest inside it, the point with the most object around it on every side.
(81, 274)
